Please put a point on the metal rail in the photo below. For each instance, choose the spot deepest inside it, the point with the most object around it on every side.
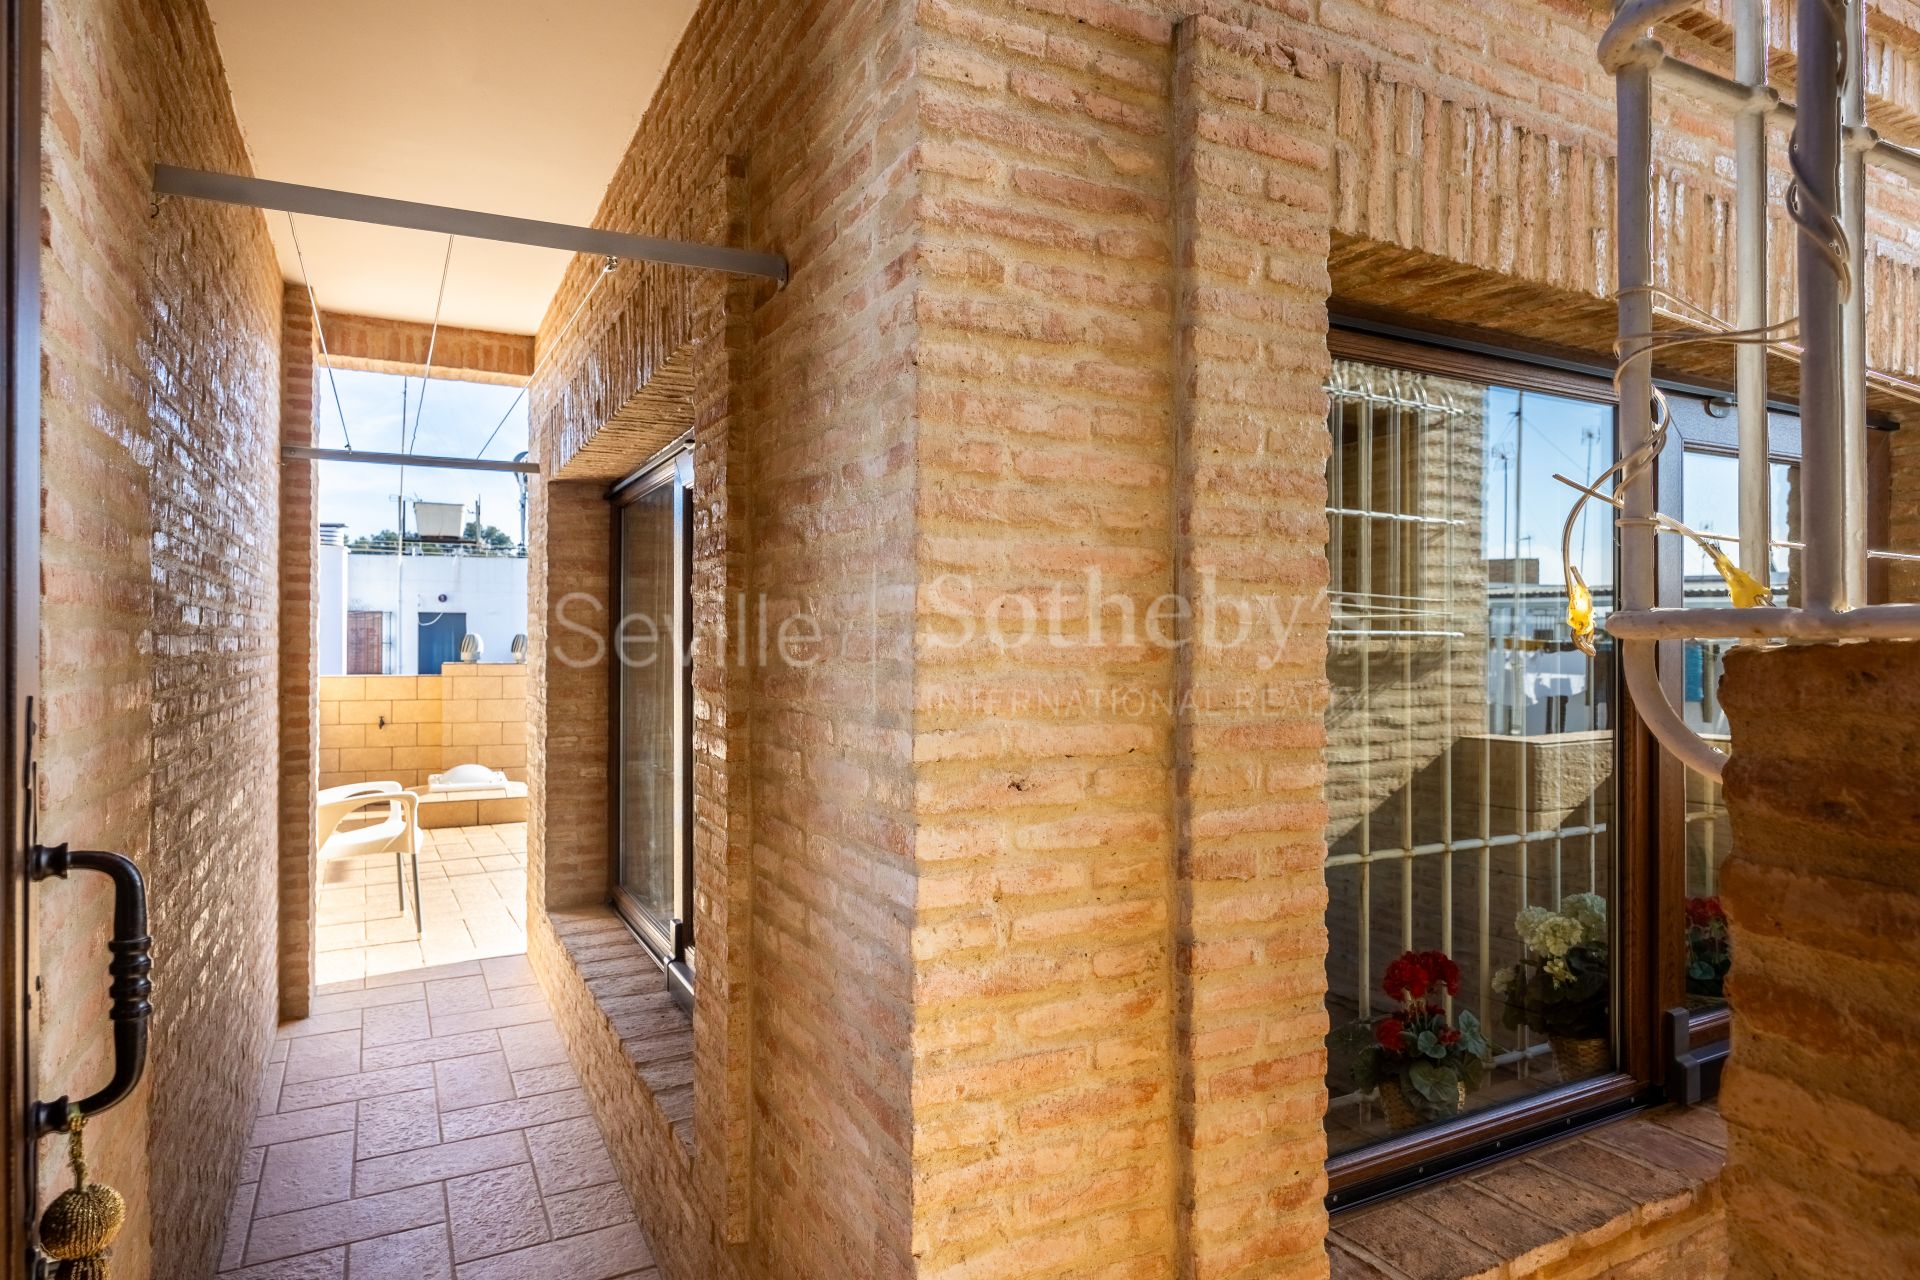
(261, 193)
(308, 453)
(1830, 144)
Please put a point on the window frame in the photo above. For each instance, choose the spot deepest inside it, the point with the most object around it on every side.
(671, 945)
(1649, 962)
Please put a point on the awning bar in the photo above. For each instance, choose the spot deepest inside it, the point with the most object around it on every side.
(307, 453)
(261, 193)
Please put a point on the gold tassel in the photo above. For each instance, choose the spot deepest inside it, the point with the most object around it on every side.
(80, 1224)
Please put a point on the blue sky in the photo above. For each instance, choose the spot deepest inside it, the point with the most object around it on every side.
(456, 418)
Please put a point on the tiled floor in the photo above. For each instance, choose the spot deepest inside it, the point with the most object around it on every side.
(424, 1123)
(473, 894)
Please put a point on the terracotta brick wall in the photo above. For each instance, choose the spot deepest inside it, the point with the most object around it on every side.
(814, 101)
(1824, 897)
(1062, 271)
(299, 657)
(161, 479)
(567, 675)
(401, 346)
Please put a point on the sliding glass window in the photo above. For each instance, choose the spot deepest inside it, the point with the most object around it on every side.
(1471, 755)
(653, 713)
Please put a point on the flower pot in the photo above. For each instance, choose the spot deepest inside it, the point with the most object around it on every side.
(1579, 1057)
(1402, 1114)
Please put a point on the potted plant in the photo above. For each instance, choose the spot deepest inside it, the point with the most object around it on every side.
(1709, 950)
(1560, 989)
(1423, 1065)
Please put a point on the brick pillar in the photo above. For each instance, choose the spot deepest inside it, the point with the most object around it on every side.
(1252, 212)
(299, 672)
(1823, 891)
(569, 612)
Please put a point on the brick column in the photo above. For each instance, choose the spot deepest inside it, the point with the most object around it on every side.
(568, 613)
(1252, 211)
(1823, 891)
(299, 673)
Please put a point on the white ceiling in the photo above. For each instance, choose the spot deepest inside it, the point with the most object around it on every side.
(506, 106)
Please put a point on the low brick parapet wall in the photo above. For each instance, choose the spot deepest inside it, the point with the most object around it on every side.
(1823, 895)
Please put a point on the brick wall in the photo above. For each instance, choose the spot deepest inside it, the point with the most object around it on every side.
(405, 728)
(804, 448)
(401, 346)
(567, 684)
(1055, 917)
(1823, 892)
(299, 657)
(161, 476)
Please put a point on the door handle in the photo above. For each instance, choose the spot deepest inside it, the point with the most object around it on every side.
(129, 962)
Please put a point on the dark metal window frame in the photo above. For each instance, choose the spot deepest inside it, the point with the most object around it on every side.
(670, 943)
(1659, 1057)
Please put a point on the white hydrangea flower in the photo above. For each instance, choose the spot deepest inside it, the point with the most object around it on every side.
(1590, 909)
(1502, 982)
(1557, 970)
(1528, 923)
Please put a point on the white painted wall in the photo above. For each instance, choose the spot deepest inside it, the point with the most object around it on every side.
(491, 591)
(332, 640)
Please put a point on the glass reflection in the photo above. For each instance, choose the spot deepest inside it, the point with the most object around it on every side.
(1469, 753)
(1710, 503)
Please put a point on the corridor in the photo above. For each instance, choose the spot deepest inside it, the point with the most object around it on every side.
(424, 1123)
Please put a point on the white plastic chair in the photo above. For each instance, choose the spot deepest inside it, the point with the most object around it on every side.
(398, 832)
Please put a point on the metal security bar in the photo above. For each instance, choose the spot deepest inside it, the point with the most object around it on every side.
(1826, 202)
(1433, 838)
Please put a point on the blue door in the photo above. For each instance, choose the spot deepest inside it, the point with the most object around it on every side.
(440, 636)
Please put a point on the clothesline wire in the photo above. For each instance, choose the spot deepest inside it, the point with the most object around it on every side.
(319, 330)
(433, 338)
(538, 365)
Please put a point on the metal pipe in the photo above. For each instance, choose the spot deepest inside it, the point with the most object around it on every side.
(307, 453)
(260, 193)
(1750, 231)
(1717, 90)
(1651, 705)
(1631, 19)
(1857, 139)
(1635, 272)
(1869, 622)
(1815, 153)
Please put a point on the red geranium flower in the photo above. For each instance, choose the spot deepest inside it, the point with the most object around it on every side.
(1703, 912)
(1389, 1032)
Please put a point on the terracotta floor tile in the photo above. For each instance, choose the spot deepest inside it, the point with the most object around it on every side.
(329, 1265)
(337, 1053)
(420, 1254)
(367, 1084)
(549, 1079)
(472, 1082)
(573, 1213)
(233, 1250)
(432, 1049)
(429, 1067)
(395, 1024)
(495, 1212)
(305, 1174)
(295, 1125)
(597, 1255)
(362, 1218)
(534, 1044)
(517, 1113)
(438, 1163)
(569, 1154)
(398, 1122)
